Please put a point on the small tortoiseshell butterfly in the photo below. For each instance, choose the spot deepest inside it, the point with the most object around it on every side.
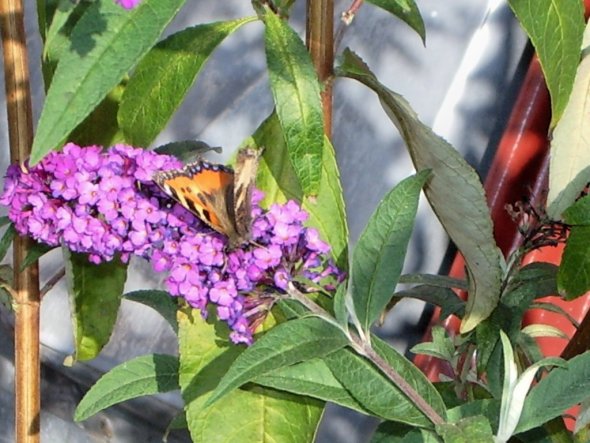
(218, 195)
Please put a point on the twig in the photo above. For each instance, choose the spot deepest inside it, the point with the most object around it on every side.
(365, 349)
(320, 42)
(26, 283)
(52, 282)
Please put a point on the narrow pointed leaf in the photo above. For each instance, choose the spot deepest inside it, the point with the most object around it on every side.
(555, 29)
(376, 393)
(296, 92)
(279, 183)
(381, 249)
(288, 343)
(445, 298)
(555, 393)
(160, 301)
(165, 75)
(454, 192)
(145, 375)
(467, 430)
(405, 10)
(578, 213)
(573, 277)
(95, 294)
(6, 240)
(312, 378)
(105, 44)
(205, 355)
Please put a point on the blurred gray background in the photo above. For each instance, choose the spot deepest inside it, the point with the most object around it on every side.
(462, 84)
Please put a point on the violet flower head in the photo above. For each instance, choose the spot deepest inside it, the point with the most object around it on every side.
(104, 203)
(128, 4)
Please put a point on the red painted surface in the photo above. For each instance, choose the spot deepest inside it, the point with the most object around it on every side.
(519, 169)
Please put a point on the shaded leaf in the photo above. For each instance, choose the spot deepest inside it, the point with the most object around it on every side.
(36, 251)
(405, 10)
(573, 277)
(6, 240)
(186, 150)
(579, 212)
(445, 298)
(165, 75)
(441, 281)
(160, 301)
(454, 192)
(144, 375)
(105, 44)
(95, 295)
(381, 249)
(296, 92)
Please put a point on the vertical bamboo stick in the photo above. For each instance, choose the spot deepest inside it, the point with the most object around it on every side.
(26, 283)
(320, 41)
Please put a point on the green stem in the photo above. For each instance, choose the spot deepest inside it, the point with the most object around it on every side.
(365, 349)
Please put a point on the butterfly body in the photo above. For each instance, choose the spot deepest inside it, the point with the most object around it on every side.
(218, 195)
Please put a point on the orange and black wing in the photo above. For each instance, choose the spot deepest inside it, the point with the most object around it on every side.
(204, 189)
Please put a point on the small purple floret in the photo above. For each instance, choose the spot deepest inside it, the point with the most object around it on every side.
(104, 203)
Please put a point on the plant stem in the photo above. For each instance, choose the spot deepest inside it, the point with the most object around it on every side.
(26, 283)
(320, 42)
(365, 349)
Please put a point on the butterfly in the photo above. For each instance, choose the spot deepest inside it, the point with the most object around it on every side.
(219, 196)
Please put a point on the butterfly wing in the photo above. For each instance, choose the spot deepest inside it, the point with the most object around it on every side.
(244, 182)
(206, 190)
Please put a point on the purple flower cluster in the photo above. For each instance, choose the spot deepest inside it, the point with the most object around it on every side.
(128, 4)
(104, 203)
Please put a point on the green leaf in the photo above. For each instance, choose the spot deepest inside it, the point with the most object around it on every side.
(573, 277)
(392, 432)
(6, 240)
(579, 212)
(312, 378)
(441, 346)
(285, 344)
(376, 393)
(61, 15)
(95, 295)
(454, 192)
(445, 298)
(381, 249)
(105, 44)
(205, 356)
(467, 430)
(186, 150)
(555, 29)
(555, 393)
(160, 301)
(296, 92)
(165, 75)
(405, 10)
(279, 183)
(101, 127)
(144, 375)
(36, 251)
(441, 281)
